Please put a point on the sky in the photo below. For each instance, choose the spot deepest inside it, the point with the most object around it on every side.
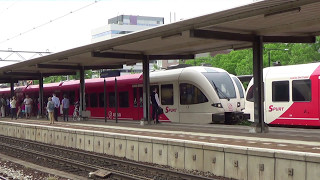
(49, 25)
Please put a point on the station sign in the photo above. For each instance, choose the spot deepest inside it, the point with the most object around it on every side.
(110, 73)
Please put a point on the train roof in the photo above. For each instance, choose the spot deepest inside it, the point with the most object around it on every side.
(127, 79)
(299, 71)
(173, 74)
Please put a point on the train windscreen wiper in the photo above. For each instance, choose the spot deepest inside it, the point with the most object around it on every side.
(220, 92)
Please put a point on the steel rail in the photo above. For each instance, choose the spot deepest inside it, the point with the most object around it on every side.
(69, 162)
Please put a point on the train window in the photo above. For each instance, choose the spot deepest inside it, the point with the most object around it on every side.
(101, 99)
(141, 96)
(87, 100)
(167, 94)
(190, 94)
(239, 86)
(70, 95)
(93, 100)
(135, 98)
(222, 83)
(280, 91)
(111, 99)
(152, 88)
(250, 96)
(301, 90)
(124, 99)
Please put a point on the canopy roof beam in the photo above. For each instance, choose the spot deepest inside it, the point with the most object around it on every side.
(58, 66)
(208, 34)
(140, 56)
(26, 75)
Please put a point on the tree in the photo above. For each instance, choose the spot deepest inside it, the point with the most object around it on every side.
(240, 62)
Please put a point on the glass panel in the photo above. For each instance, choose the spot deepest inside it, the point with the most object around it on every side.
(135, 98)
(111, 99)
(190, 94)
(301, 90)
(222, 83)
(93, 100)
(87, 100)
(250, 96)
(101, 100)
(280, 91)
(123, 99)
(70, 95)
(141, 96)
(167, 94)
(239, 86)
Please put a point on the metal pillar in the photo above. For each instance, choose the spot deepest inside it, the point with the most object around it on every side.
(146, 91)
(41, 94)
(82, 91)
(259, 125)
(12, 88)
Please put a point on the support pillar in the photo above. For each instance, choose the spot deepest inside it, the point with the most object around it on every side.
(82, 100)
(12, 88)
(258, 126)
(146, 90)
(41, 95)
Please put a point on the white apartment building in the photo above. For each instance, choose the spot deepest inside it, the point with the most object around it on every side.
(124, 24)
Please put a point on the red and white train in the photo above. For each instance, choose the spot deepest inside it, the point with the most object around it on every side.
(291, 95)
(187, 95)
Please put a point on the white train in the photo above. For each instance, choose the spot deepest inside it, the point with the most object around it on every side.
(197, 95)
(291, 95)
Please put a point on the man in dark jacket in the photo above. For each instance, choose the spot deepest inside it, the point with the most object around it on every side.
(155, 105)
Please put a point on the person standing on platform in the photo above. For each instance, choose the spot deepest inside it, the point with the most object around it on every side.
(65, 107)
(3, 106)
(155, 105)
(56, 102)
(50, 109)
(13, 107)
(27, 106)
(8, 106)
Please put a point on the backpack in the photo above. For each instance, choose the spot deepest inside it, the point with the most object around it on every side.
(51, 105)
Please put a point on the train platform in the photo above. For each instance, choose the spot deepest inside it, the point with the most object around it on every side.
(237, 152)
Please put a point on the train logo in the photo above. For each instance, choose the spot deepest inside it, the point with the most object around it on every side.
(230, 107)
(272, 108)
(170, 110)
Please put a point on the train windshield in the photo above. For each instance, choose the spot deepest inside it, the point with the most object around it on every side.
(238, 83)
(222, 83)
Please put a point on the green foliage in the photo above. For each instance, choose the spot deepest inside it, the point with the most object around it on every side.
(240, 62)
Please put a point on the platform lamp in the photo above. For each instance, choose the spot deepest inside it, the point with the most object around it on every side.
(269, 53)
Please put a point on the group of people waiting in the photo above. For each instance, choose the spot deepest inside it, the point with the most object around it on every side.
(53, 106)
(11, 107)
(18, 108)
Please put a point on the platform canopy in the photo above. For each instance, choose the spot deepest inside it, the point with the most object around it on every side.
(274, 20)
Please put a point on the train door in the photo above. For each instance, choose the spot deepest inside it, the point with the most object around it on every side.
(138, 102)
(277, 99)
(193, 105)
(168, 95)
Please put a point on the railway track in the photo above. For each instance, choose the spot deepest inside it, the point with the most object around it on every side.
(82, 163)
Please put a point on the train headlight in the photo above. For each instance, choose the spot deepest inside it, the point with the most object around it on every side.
(238, 104)
(218, 105)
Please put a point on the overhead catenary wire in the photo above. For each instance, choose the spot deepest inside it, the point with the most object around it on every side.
(7, 8)
(48, 22)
